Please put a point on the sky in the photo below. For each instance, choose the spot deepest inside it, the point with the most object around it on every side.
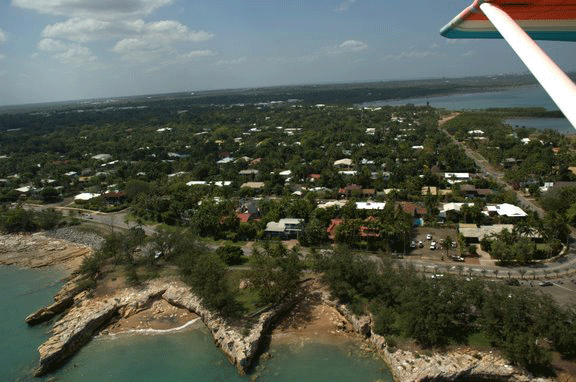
(56, 50)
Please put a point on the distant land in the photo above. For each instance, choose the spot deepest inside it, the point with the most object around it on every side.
(344, 93)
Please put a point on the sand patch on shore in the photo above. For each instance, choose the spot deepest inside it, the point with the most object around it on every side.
(161, 316)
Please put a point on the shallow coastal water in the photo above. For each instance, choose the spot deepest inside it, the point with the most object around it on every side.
(21, 292)
(186, 355)
(191, 356)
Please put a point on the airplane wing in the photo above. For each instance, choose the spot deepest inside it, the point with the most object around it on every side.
(519, 22)
(541, 19)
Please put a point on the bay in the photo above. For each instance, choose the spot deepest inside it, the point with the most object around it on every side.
(520, 97)
(188, 355)
(524, 96)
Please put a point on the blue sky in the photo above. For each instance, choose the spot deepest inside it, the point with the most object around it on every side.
(52, 50)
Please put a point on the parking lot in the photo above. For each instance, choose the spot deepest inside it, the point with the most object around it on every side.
(424, 250)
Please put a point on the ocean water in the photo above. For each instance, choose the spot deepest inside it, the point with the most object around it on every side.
(559, 124)
(21, 292)
(188, 355)
(524, 96)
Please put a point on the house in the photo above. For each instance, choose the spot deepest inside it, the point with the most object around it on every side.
(412, 209)
(370, 205)
(509, 162)
(343, 163)
(456, 177)
(245, 217)
(85, 196)
(225, 161)
(114, 197)
(508, 210)
(285, 228)
(474, 234)
(349, 190)
(253, 185)
(249, 173)
(331, 230)
(102, 157)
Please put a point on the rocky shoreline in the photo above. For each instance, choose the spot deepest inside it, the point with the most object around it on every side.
(88, 316)
(85, 316)
(455, 365)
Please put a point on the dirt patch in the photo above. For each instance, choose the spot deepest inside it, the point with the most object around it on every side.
(313, 321)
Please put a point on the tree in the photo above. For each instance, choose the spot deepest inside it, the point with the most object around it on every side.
(313, 234)
(49, 218)
(18, 220)
(447, 244)
(230, 254)
(208, 280)
(275, 272)
(50, 195)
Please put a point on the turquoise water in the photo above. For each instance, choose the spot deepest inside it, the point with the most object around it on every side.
(21, 292)
(189, 355)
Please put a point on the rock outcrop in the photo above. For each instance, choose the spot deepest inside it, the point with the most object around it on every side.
(88, 315)
(62, 301)
(456, 365)
(37, 250)
(84, 319)
(240, 349)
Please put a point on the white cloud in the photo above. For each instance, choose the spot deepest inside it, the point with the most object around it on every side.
(348, 46)
(101, 9)
(234, 61)
(3, 37)
(66, 53)
(158, 39)
(50, 45)
(410, 55)
(344, 6)
(198, 53)
(89, 29)
(76, 55)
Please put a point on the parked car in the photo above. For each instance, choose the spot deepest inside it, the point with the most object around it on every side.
(545, 283)
(429, 237)
(420, 244)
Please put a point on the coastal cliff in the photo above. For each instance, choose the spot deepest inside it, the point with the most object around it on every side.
(462, 364)
(88, 316)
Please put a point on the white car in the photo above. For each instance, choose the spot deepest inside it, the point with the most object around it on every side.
(429, 237)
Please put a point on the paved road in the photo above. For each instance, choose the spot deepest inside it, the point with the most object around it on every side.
(491, 170)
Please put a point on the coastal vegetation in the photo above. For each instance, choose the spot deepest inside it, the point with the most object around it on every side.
(451, 310)
(205, 174)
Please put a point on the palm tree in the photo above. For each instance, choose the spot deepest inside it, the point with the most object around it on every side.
(496, 271)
